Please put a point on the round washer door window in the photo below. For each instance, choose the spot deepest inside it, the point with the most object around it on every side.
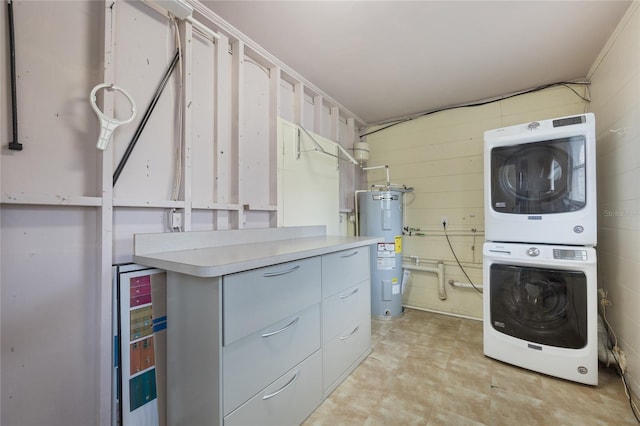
(539, 305)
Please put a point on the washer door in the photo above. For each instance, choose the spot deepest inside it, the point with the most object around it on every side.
(544, 306)
(539, 177)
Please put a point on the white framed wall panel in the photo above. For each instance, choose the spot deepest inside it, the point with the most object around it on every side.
(145, 46)
(287, 104)
(135, 220)
(49, 323)
(256, 147)
(203, 111)
(347, 138)
(54, 119)
(62, 223)
(309, 185)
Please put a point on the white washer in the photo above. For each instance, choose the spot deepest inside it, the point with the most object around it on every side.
(540, 182)
(540, 308)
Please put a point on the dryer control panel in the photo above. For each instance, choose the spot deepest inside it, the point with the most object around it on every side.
(565, 254)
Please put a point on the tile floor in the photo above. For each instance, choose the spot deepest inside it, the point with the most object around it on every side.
(429, 369)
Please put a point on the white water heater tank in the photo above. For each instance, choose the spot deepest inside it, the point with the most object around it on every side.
(380, 215)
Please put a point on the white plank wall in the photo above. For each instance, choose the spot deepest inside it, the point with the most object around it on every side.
(441, 157)
(616, 94)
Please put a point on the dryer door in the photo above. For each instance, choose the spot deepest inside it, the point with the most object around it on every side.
(539, 305)
(539, 177)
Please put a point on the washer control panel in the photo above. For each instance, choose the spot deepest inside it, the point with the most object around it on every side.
(565, 254)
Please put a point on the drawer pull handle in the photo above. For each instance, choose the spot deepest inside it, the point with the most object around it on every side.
(355, 330)
(349, 255)
(289, 383)
(278, 273)
(344, 296)
(291, 324)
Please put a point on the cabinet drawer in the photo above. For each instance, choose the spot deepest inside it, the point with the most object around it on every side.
(345, 307)
(342, 269)
(250, 364)
(287, 401)
(254, 299)
(343, 350)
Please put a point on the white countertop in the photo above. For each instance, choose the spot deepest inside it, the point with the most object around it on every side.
(228, 259)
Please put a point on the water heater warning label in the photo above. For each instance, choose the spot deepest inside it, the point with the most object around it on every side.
(386, 256)
(386, 248)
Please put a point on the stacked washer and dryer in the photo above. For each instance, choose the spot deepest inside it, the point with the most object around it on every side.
(539, 264)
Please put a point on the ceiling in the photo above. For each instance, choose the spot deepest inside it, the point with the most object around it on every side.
(384, 60)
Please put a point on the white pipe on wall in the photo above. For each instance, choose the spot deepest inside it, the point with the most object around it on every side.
(438, 270)
(451, 233)
(465, 285)
(380, 167)
(435, 311)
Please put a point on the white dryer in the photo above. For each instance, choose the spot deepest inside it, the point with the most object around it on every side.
(540, 308)
(540, 182)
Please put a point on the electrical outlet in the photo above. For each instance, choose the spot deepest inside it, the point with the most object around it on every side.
(176, 219)
(445, 221)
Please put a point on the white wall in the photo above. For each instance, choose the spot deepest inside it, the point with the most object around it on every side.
(616, 104)
(441, 156)
(62, 226)
(49, 334)
(49, 316)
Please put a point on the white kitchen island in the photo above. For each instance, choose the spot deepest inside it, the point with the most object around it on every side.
(263, 324)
